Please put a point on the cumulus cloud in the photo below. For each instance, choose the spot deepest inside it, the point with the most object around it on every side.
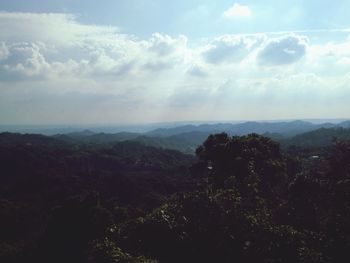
(23, 60)
(47, 45)
(230, 49)
(52, 63)
(164, 45)
(238, 11)
(283, 50)
(54, 44)
(163, 52)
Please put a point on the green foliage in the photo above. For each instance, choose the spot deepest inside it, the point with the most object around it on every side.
(106, 251)
(318, 138)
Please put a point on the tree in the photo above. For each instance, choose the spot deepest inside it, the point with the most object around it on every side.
(251, 162)
(72, 228)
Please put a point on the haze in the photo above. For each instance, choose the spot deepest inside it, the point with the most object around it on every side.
(83, 62)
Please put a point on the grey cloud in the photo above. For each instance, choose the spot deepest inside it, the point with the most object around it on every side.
(157, 66)
(197, 71)
(230, 49)
(118, 71)
(124, 68)
(286, 50)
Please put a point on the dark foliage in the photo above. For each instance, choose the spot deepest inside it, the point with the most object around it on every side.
(243, 200)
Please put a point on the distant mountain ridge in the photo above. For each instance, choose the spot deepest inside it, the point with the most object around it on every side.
(122, 155)
(187, 138)
(287, 128)
(318, 138)
(88, 136)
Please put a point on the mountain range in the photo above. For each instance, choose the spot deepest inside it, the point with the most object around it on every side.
(186, 138)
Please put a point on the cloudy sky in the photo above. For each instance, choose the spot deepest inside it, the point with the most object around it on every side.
(129, 61)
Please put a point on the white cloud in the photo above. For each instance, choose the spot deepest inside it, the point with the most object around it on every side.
(329, 58)
(238, 11)
(74, 49)
(162, 52)
(52, 64)
(4, 52)
(164, 45)
(344, 61)
(51, 28)
(24, 60)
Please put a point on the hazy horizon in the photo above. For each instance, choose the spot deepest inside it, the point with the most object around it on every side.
(180, 122)
(52, 129)
(151, 61)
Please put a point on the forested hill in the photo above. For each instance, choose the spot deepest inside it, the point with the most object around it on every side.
(240, 199)
(287, 128)
(41, 175)
(184, 142)
(126, 154)
(117, 180)
(187, 142)
(13, 139)
(187, 138)
(87, 136)
(319, 138)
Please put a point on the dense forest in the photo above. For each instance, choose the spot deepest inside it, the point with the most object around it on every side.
(104, 198)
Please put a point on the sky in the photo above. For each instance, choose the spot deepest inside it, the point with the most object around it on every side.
(140, 61)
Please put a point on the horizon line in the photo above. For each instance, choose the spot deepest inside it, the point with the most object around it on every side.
(173, 122)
